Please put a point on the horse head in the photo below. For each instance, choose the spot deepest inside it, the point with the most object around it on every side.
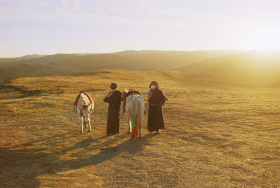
(124, 93)
(85, 112)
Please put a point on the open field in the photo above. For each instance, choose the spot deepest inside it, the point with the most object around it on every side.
(215, 136)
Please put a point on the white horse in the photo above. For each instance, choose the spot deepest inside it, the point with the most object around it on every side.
(84, 106)
(134, 107)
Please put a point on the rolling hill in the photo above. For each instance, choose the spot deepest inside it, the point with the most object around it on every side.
(258, 68)
(100, 61)
(170, 60)
(252, 68)
(12, 60)
(65, 64)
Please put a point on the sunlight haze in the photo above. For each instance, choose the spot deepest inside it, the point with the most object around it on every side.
(78, 106)
(91, 26)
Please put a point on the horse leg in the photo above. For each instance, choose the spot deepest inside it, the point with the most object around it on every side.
(89, 126)
(82, 125)
(129, 126)
(128, 122)
(140, 125)
(85, 125)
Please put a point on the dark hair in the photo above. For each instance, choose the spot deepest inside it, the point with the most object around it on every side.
(113, 86)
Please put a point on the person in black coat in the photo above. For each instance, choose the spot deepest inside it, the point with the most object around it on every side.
(156, 100)
(114, 98)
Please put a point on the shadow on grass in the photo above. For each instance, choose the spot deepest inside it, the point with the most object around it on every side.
(20, 168)
(107, 152)
(22, 90)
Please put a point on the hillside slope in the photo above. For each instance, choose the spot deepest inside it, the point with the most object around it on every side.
(66, 64)
(100, 61)
(31, 70)
(171, 60)
(261, 68)
(33, 59)
(254, 67)
(23, 58)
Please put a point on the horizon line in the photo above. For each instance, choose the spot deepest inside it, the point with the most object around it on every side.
(97, 53)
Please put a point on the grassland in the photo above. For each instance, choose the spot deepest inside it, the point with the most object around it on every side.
(217, 135)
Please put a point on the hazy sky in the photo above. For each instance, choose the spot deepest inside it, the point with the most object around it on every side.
(97, 26)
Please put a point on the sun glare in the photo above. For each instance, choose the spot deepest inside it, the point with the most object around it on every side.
(265, 58)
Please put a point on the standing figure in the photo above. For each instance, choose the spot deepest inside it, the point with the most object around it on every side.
(114, 98)
(156, 100)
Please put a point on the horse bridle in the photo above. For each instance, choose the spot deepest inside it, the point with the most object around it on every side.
(81, 112)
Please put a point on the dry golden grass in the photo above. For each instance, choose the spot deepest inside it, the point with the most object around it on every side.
(214, 137)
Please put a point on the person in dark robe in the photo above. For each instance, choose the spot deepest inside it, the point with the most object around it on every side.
(114, 98)
(156, 99)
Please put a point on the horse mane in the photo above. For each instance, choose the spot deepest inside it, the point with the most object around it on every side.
(79, 95)
(85, 102)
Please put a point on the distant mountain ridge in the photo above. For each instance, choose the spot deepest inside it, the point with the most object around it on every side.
(258, 67)
(172, 60)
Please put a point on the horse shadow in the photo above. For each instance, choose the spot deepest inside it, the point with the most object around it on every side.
(107, 152)
(23, 166)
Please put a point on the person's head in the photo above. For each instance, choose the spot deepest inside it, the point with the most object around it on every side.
(114, 86)
(154, 85)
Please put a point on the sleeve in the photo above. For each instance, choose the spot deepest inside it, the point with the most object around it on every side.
(163, 98)
(149, 94)
(108, 96)
(106, 99)
(120, 97)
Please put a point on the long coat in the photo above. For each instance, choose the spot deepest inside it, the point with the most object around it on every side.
(155, 117)
(113, 118)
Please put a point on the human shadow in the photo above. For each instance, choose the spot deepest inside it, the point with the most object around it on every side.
(107, 152)
(21, 167)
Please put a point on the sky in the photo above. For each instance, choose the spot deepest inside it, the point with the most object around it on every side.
(48, 27)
